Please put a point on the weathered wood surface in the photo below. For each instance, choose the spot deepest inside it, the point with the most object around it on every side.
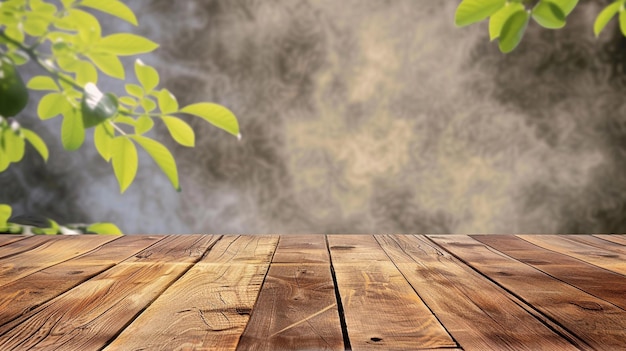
(313, 292)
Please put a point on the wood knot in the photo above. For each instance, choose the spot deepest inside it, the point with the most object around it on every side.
(375, 339)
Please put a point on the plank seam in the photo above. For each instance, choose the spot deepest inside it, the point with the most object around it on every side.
(258, 294)
(546, 320)
(191, 265)
(342, 317)
(415, 290)
(572, 257)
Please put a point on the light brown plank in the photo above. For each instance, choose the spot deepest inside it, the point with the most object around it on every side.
(46, 252)
(618, 239)
(91, 314)
(607, 285)
(296, 308)
(608, 257)
(381, 309)
(22, 295)
(6, 239)
(597, 322)
(479, 314)
(208, 308)
(20, 246)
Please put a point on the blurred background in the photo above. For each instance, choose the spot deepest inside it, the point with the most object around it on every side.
(360, 116)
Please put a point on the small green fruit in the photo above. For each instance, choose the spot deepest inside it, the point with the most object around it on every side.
(13, 92)
(97, 107)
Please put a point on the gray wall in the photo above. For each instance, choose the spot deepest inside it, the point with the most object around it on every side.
(363, 116)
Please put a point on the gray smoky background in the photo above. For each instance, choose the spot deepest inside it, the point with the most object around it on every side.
(360, 116)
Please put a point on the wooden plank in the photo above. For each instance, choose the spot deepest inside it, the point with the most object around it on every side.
(27, 244)
(597, 281)
(7, 239)
(22, 295)
(618, 239)
(479, 314)
(47, 252)
(606, 257)
(296, 308)
(600, 324)
(207, 308)
(91, 314)
(382, 311)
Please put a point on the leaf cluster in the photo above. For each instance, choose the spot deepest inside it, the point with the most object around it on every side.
(508, 19)
(65, 40)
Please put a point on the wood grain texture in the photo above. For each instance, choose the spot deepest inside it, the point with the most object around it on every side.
(599, 282)
(27, 244)
(479, 314)
(296, 308)
(618, 239)
(22, 295)
(88, 316)
(46, 252)
(602, 254)
(382, 310)
(599, 324)
(208, 308)
(7, 239)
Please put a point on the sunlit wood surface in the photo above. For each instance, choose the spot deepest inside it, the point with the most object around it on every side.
(313, 292)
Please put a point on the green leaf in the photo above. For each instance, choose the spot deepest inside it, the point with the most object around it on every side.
(566, 6)
(72, 130)
(112, 7)
(622, 20)
(85, 73)
(108, 64)
(548, 15)
(605, 16)
(126, 120)
(36, 142)
(513, 31)
(125, 44)
(97, 107)
(5, 214)
(4, 160)
(497, 20)
(42, 83)
(86, 24)
(134, 90)
(41, 6)
(127, 100)
(67, 3)
(162, 156)
(215, 114)
(19, 58)
(180, 131)
(15, 33)
(144, 124)
(147, 76)
(36, 24)
(167, 102)
(472, 11)
(147, 104)
(103, 140)
(125, 161)
(13, 145)
(52, 105)
(104, 228)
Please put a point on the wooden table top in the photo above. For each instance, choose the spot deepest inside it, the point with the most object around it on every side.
(313, 292)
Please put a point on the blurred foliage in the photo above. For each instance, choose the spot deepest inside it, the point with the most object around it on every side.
(64, 39)
(508, 19)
